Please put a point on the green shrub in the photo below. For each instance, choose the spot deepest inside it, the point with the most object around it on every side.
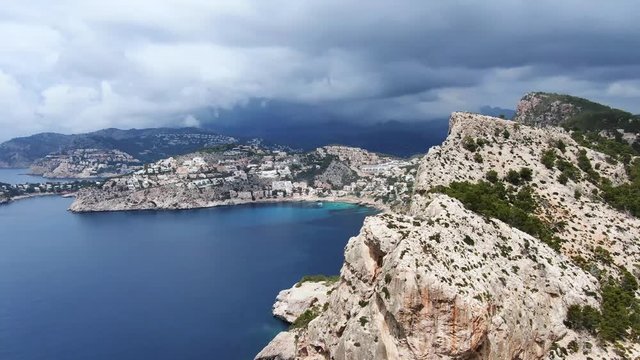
(478, 158)
(305, 318)
(563, 178)
(363, 321)
(526, 174)
(583, 318)
(387, 278)
(568, 169)
(496, 201)
(619, 318)
(585, 164)
(491, 176)
(624, 197)
(468, 143)
(513, 177)
(327, 279)
(548, 158)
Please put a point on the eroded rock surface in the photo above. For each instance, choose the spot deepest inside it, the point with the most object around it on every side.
(439, 281)
(291, 303)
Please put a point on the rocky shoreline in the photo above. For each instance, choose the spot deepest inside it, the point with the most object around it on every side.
(78, 207)
(249, 174)
(5, 200)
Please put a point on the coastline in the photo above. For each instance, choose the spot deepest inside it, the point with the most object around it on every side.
(333, 199)
(28, 196)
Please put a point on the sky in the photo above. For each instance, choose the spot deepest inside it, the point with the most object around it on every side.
(79, 65)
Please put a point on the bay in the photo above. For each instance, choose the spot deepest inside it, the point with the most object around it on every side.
(21, 176)
(196, 284)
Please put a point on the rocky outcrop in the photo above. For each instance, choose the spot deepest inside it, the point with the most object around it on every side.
(439, 281)
(282, 347)
(447, 284)
(291, 303)
(588, 222)
(542, 109)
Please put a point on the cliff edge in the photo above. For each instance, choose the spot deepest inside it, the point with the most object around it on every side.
(503, 240)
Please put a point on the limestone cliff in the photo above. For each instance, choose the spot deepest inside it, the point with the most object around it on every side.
(439, 281)
(542, 109)
(584, 222)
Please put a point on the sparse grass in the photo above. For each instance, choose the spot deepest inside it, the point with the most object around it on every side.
(327, 279)
(514, 207)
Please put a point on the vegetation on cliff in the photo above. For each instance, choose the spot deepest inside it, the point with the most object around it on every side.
(619, 316)
(625, 197)
(514, 206)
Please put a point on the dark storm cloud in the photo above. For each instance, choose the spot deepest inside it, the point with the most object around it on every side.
(76, 65)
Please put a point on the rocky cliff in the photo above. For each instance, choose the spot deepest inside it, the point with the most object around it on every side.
(548, 109)
(440, 281)
(542, 109)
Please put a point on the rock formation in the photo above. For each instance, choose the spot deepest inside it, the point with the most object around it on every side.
(291, 303)
(541, 109)
(439, 281)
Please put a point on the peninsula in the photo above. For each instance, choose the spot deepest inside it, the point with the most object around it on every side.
(236, 174)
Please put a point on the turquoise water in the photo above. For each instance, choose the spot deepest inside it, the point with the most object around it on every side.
(19, 176)
(193, 284)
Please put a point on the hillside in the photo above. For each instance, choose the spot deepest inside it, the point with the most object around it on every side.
(548, 109)
(250, 173)
(507, 251)
(142, 144)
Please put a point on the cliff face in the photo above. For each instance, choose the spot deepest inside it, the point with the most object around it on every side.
(546, 109)
(440, 281)
(584, 222)
(448, 284)
(540, 109)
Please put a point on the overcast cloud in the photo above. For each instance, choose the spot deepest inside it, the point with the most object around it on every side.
(80, 65)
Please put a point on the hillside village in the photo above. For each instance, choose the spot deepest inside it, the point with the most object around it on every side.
(250, 173)
(9, 192)
(85, 164)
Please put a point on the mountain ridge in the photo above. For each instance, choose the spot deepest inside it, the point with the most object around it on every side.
(544, 242)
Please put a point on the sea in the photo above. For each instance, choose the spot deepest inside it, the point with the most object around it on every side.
(192, 284)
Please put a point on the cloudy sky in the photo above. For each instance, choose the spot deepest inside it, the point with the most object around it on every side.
(80, 65)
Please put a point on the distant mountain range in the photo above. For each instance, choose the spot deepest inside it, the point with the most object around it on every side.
(307, 127)
(144, 144)
(393, 137)
(397, 138)
(497, 112)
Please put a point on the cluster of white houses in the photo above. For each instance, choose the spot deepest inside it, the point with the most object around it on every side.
(248, 172)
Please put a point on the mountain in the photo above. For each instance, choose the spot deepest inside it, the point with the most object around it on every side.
(548, 109)
(612, 131)
(515, 246)
(497, 112)
(143, 144)
(304, 126)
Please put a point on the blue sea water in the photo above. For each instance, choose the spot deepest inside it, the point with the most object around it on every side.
(195, 284)
(20, 176)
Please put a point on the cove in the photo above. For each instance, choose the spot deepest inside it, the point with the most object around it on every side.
(21, 176)
(196, 284)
